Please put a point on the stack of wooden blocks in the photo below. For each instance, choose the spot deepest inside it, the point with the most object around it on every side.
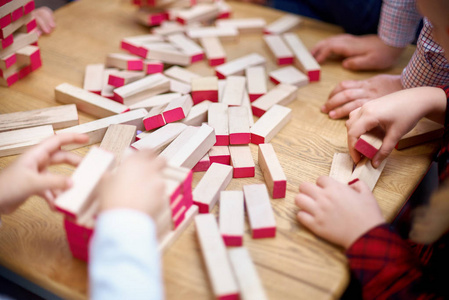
(19, 53)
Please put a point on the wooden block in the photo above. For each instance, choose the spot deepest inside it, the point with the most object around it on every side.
(246, 103)
(270, 124)
(223, 33)
(341, 168)
(365, 172)
(282, 94)
(169, 27)
(369, 143)
(159, 139)
(124, 62)
(153, 66)
(304, 60)
(215, 52)
(85, 179)
(271, 168)
(8, 61)
(198, 13)
(117, 139)
(256, 80)
(141, 89)
(207, 191)
(11, 6)
(260, 213)
(289, 75)
(167, 55)
(203, 165)
(97, 129)
(181, 74)
(93, 78)
(204, 88)
(133, 44)
(238, 66)
(232, 217)
(14, 26)
(238, 125)
(282, 54)
(154, 101)
(247, 25)
(18, 141)
(150, 18)
(283, 24)
(6, 42)
(242, 161)
(187, 46)
(198, 114)
(220, 155)
(58, 116)
(20, 40)
(218, 119)
(247, 278)
(121, 78)
(225, 10)
(177, 86)
(221, 87)
(234, 90)
(183, 138)
(108, 90)
(177, 109)
(154, 118)
(425, 131)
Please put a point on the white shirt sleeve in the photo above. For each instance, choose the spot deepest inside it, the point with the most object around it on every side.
(124, 260)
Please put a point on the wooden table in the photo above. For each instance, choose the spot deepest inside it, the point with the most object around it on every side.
(294, 265)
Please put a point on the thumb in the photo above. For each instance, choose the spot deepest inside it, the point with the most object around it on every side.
(389, 142)
(356, 63)
(49, 181)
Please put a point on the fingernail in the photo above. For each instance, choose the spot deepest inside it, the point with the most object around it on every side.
(376, 163)
(332, 114)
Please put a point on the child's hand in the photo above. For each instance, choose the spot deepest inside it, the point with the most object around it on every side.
(362, 53)
(136, 184)
(351, 94)
(45, 19)
(28, 175)
(337, 212)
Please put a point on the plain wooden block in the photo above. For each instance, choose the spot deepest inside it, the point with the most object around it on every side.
(218, 119)
(204, 88)
(203, 165)
(216, 258)
(124, 62)
(256, 80)
(177, 109)
(85, 179)
(282, 54)
(153, 66)
(242, 161)
(141, 89)
(283, 94)
(259, 210)
(88, 102)
(214, 50)
(183, 138)
(121, 78)
(304, 60)
(244, 25)
(247, 103)
(169, 55)
(117, 139)
(223, 33)
(198, 114)
(247, 278)
(232, 217)
(108, 90)
(181, 74)
(369, 143)
(289, 75)
(220, 155)
(271, 168)
(154, 101)
(341, 168)
(160, 138)
(198, 13)
(187, 46)
(239, 65)
(177, 86)
(18, 141)
(270, 124)
(58, 116)
(238, 125)
(426, 130)
(283, 24)
(365, 172)
(93, 78)
(97, 129)
(154, 118)
(234, 89)
(207, 191)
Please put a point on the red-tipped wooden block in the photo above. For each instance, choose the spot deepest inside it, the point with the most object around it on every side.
(369, 143)
(204, 88)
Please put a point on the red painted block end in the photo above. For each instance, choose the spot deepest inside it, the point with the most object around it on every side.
(153, 122)
(219, 75)
(5, 21)
(257, 139)
(257, 111)
(314, 75)
(244, 172)
(279, 189)
(201, 166)
(240, 138)
(17, 14)
(181, 21)
(173, 115)
(200, 96)
(222, 159)
(29, 7)
(222, 140)
(264, 233)
(202, 208)
(254, 97)
(216, 61)
(198, 57)
(233, 240)
(365, 148)
(285, 61)
(116, 81)
(274, 80)
(118, 98)
(135, 65)
(155, 68)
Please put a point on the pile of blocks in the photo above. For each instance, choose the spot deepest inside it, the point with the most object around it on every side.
(19, 53)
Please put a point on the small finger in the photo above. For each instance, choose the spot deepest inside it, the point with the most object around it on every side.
(64, 157)
(305, 203)
(310, 189)
(345, 85)
(346, 109)
(306, 219)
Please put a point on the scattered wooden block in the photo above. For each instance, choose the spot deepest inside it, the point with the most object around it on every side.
(108, 90)
(425, 131)
(246, 103)
(154, 118)
(183, 138)
(270, 124)
(18, 141)
(160, 138)
(121, 78)
(232, 217)
(220, 155)
(256, 79)
(198, 114)
(248, 25)
(283, 24)
(86, 177)
(341, 168)
(58, 116)
(369, 143)
(225, 10)
(365, 172)
(216, 258)
(289, 75)
(198, 13)
(272, 171)
(238, 66)
(282, 94)
(242, 161)
(304, 60)
(260, 213)
(124, 62)
(181, 74)
(177, 109)
(117, 139)
(223, 33)
(88, 102)
(238, 125)
(134, 44)
(177, 86)
(282, 54)
(218, 119)
(150, 18)
(215, 52)
(203, 165)
(187, 46)
(154, 101)
(204, 88)
(168, 28)
(153, 66)
(167, 54)
(93, 78)
(143, 88)
(234, 90)
(247, 278)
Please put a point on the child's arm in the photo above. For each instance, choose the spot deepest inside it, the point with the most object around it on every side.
(29, 175)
